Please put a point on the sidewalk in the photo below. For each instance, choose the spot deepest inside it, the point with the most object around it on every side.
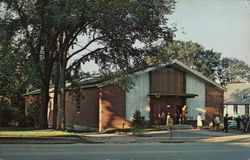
(178, 136)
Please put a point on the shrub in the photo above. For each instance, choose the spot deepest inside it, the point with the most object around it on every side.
(32, 119)
(6, 115)
(11, 116)
(138, 119)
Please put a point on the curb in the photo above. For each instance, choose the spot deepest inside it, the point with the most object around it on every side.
(43, 140)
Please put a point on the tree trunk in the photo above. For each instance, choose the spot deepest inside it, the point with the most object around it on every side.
(55, 99)
(44, 105)
(45, 76)
(62, 106)
(62, 68)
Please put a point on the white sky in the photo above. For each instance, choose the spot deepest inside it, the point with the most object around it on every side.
(221, 25)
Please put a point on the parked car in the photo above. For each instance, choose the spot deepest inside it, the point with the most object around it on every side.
(232, 124)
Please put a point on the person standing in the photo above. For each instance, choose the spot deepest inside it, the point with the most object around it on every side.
(167, 120)
(213, 123)
(225, 129)
(217, 123)
(184, 114)
(238, 120)
(199, 121)
(162, 117)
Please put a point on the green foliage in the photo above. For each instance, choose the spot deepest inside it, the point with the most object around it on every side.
(138, 120)
(6, 115)
(11, 117)
(32, 120)
(47, 30)
(208, 62)
(16, 77)
(232, 70)
(191, 54)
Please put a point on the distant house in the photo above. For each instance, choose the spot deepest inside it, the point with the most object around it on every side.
(237, 99)
(155, 91)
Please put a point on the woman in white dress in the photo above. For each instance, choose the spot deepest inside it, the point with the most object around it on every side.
(199, 121)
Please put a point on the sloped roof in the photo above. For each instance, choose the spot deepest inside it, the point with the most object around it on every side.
(83, 83)
(97, 81)
(238, 93)
(186, 68)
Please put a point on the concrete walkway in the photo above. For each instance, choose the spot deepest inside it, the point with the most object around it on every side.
(178, 136)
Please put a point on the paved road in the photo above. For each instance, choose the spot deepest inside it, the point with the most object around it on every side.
(145, 151)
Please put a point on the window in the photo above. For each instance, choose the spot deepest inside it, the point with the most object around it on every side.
(247, 108)
(78, 104)
(236, 109)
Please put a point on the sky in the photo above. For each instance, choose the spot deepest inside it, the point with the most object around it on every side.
(221, 25)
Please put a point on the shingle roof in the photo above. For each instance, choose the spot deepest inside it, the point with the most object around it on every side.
(238, 93)
(97, 81)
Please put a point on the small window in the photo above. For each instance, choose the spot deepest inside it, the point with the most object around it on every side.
(236, 109)
(247, 108)
(78, 104)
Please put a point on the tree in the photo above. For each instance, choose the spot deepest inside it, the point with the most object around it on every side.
(191, 54)
(16, 77)
(138, 119)
(208, 62)
(232, 70)
(111, 32)
(33, 31)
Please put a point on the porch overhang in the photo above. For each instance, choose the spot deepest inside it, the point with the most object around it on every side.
(185, 95)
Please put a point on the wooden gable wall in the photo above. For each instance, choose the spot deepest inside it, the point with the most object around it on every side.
(170, 81)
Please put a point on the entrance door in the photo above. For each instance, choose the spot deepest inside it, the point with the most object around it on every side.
(165, 105)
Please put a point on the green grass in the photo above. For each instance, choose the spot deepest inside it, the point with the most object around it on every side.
(32, 132)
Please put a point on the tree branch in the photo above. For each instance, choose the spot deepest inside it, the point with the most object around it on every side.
(85, 47)
(82, 58)
(73, 36)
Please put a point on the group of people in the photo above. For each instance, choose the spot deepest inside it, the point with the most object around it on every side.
(214, 125)
(243, 123)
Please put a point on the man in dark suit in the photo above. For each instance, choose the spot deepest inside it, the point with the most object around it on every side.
(225, 129)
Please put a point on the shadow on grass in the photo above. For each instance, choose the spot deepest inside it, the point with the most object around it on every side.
(17, 129)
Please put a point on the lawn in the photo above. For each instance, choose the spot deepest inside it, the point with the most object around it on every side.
(33, 132)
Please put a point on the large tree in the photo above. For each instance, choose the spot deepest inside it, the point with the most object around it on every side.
(232, 70)
(189, 53)
(33, 32)
(116, 34)
(16, 77)
(208, 62)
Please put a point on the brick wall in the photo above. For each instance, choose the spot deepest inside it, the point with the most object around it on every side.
(214, 102)
(112, 107)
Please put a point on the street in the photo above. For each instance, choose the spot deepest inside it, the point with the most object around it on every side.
(132, 151)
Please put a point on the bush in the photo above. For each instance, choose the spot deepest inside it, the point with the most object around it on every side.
(6, 115)
(138, 120)
(32, 120)
(11, 117)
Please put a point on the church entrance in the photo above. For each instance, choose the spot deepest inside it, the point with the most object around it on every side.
(162, 106)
